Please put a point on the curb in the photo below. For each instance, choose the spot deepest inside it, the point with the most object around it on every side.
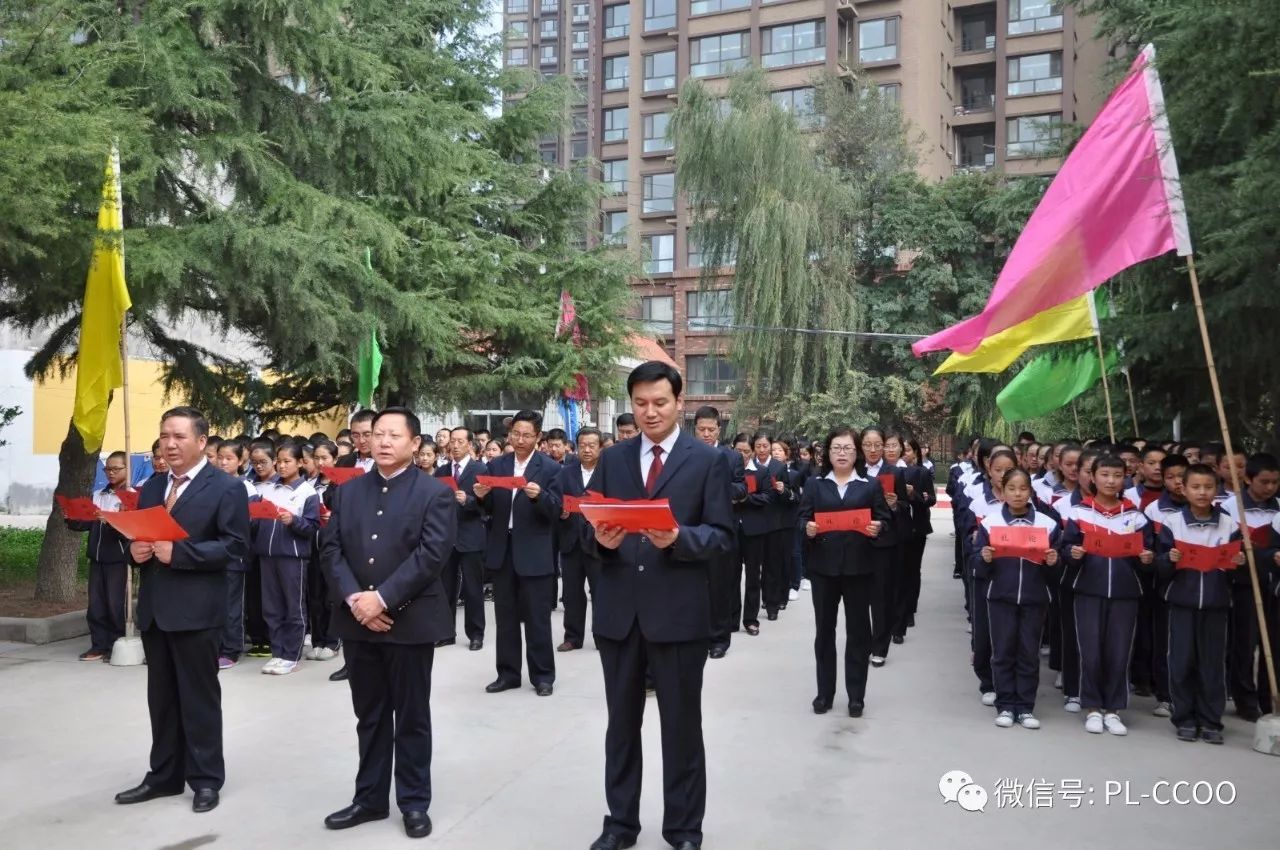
(40, 630)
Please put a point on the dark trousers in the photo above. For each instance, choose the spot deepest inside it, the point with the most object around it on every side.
(523, 600)
(1053, 627)
(677, 674)
(464, 578)
(979, 616)
(777, 569)
(1104, 634)
(1142, 665)
(908, 585)
(283, 605)
(231, 642)
(884, 595)
(185, 702)
(319, 608)
(1160, 648)
(828, 593)
(255, 624)
(106, 604)
(1015, 654)
(797, 558)
(1244, 643)
(1070, 648)
(1197, 654)
(579, 572)
(755, 553)
(723, 581)
(391, 695)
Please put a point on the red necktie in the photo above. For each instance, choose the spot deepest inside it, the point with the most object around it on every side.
(655, 470)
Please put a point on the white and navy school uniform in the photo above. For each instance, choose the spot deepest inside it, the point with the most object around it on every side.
(231, 644)
(1046, 486)
(255, 624)
(1244, 640)
(977, 509)
(319, 601)
(283, 552)
(1106, 593)
(1148, 669)
(1017, 597)
(108, 568)
(1199, 605)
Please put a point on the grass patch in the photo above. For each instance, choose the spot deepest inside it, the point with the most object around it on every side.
(20, 553)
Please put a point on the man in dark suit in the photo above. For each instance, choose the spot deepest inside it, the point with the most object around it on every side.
(389, 537)
(182, 607)
(361, 434)
(465, 570)
(652, 608)
(521, 556)
(726, 571)
(579, 559)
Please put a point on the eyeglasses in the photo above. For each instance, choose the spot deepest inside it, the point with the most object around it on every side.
(114, 468)
(842, 450)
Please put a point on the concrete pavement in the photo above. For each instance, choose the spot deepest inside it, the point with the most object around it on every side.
(512, 770)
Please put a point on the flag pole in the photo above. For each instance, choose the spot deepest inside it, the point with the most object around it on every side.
(1249, 553)
(1075, 412)
(1133, 409)
(129, 629)
(1102, 365)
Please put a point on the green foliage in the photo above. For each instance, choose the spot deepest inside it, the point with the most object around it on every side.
(7, 415)
(20, 551)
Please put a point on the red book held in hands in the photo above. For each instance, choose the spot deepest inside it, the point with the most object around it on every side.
(1206, 558)
(887, 481)
(852, 520)
(153, 525)
(339, 475)
(1020, 541)
(502, 482)
(80, 509)
(752, 484)
(264, 510)
(634, 515)
(1101, 542)
(128, 499)
(448, 481)
(1261, 536)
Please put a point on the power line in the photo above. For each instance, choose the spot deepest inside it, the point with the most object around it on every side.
(867, 335)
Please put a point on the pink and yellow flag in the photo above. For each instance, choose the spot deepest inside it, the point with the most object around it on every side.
(1115, 202)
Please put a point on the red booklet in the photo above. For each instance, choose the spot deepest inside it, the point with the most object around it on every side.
(636, 515)
(1100, 541)
(325, 513)
(753, 486)
(856, 519)
(502, 482)
(1020, 541)
(448, 481)
(887, 481)
(128, 499)
(152, 525)
(1261, 536)
(339, 475)
(1206, 558)
(79, 509)
(264, 510)
(573, 504)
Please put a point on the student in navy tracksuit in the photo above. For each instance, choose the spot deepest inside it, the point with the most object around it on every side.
(108, 565)
(1106, 592)
(231, 455)
(261, 474)
(762, 512)
(1017, 595)
(284, 546)
(1199, 604)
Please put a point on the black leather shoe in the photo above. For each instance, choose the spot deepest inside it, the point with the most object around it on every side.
(144, 792)
(855, 709)
(206, 800)
(1248, 713)
(497, 686)
(446, 642)
(687, 845)
(476, 645)
(772, 615)
(352, 815)
(898, 639)
(1187, 733)
(718, 651)
(1211, 736)
(544, 689)
(417, 824)
(609, 841)
(821, 705)
(339, 675)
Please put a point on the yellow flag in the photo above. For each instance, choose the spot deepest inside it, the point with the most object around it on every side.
(1072, 320)
(106, 299)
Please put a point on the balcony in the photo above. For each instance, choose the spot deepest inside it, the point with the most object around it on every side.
(976, 102)
(977, 43)
(845, 9)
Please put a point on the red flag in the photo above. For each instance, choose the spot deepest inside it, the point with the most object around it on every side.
(79, 509)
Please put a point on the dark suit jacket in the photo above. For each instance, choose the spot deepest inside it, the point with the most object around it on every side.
(471, 530)
(926, 496)
(190, 592)
(765, 510)
(394, 537)
(737, 473)
(347, 460)
(533, 550)
(897, 530)
(573, 533)
(664, 590)
(838, 553)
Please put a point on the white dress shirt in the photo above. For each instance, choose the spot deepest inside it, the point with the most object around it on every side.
(841, 488)
(646, 451)
(874, 469)
(517, 470)
(176, 489)
(365, 463)
(586, 475)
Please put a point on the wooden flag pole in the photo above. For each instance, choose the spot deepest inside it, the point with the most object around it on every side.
(1106, 389)
(129, 628)
(1133, 409)
(1075, 412)
(1250, 555)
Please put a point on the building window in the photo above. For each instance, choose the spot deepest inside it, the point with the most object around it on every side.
(548, 27)
(719, 54)
(577, 149)
(890, 93)
(613, 174)
(709, 310)
(706, 7)
(550, 6)
(660, 258)
(518, 56)
(659, 193)
(581, 13)
(580, 39)
(655, 132)
(615, 225)
(580, 66)
(660, 71)
(579, 120)
(617, 72)
(1039, 73)
(550, 153)
(516, 7)
(697, 257)
(1033, 135)
(659, 15)
(878, 40)
(707, 374)
(1034, 16)
(656, 311)
(547, 54)
(518, 29)
(617, 21)
(616, 124)
(793, 44)
(799, 102)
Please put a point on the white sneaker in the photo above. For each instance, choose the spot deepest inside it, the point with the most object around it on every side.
(1044, 652)
(324, 653)
(1004, 719)
(877, 661)
(1162, 709)
(1093, 723)
(310, 653)
(989, 698)
(284, 668)
(1114, 725)
(1072, 705)
(793, 594)
(306, 639)
(1057, 681)
(1029, 721)
(270, 667)
(805, 584)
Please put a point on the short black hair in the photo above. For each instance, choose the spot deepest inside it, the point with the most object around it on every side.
(590, 432)
(655, 370)
(1028, 436)
(1107, 460)
(365, 415)
(470, 436)
(1173, 461)
(345, 432)
(557, 434)
(1259, 463)
(1127, 448)
(410, 418)
(706, 412)
(625, 419)
(155, 447)
(1151, 448)
(533, 417)
(1201, 469)
(198, 422)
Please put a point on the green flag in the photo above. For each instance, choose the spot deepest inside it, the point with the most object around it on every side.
(370, 362)
(1047, 383)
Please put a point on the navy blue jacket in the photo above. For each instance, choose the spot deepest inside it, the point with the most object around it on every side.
(533, 544)
(471, 529)
(1188, 588)
(1094, 575)
(573, 533)
(765, 510)
(106, 545)
(1016, 580)
(843, 553)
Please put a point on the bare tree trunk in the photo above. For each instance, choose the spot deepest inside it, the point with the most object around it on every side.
(56, 571)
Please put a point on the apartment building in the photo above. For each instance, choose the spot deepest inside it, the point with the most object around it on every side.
(988, 84)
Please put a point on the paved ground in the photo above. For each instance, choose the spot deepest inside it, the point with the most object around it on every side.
(515, 771)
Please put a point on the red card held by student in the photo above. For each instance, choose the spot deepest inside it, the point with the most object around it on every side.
(325, 514)
(502, 482)
(1020, 541)
(153, 525)
(128, 499)
(887, 481)
(634, 515)
(1206, 558)
(1261, 536)
(852, 520)
(1098, 541)
(448, 481)
(753, 485)
(339, 475)
(80, 509)
(264, 510)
